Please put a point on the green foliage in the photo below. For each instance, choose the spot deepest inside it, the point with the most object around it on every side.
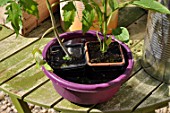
(14, 10)
(37, 54)
(99, 13)
(152, 5)
(14, 13)
(92, 9)
(30, 7)
(4, 2)
(69, 14)
(67, 57)
(114, 4)
(88, 18)
(121, 34)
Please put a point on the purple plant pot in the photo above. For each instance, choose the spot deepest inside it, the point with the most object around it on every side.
(87, 93)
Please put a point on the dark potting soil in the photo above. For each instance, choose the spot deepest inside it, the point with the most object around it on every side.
(90, 75)
(113, 54)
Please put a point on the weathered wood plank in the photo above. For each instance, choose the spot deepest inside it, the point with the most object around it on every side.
(129, 14)
(24, 82)
(66, 106)
(5, 32)
(137, 33)
(12, 45)
(44, 95)
(159, 98)
(138, 50)
(130, 95)
(18, 62)
(137, 28)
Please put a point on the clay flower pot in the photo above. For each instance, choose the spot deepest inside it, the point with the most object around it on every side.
(88, 93)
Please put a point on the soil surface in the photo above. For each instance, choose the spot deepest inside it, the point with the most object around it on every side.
(113, 54)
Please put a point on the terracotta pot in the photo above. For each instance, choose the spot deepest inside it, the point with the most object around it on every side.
(98, 55)
(87, 93)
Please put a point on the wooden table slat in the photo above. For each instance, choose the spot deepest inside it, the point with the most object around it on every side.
(129, 14)
(25, 82)
(66, 106)
(44, 96)
(131, 93)
(12, 45)
(159, 98)
(5, 32)
(18, 62)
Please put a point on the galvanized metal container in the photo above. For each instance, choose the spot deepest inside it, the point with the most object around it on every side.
(156, 54)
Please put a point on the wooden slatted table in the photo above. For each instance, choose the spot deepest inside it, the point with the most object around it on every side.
(24, 83)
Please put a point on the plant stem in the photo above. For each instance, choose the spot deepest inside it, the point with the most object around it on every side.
(104, 49)
(55, 29)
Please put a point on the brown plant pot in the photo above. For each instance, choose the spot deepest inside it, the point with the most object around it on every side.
(113, 57)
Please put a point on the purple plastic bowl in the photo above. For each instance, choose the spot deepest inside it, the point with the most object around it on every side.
(87, 93)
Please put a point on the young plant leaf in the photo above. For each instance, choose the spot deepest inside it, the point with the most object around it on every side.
(152, 5)
(4, 2)
(68, 14)
(114, 4)
(99, 14)
(66, 57)
(30, 6)
(48, 67)
(38, 56)
(109, 40)
(14, 13)
(87, 18)
(121, 34)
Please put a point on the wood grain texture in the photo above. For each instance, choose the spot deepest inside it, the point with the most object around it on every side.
(130, 95)
(18, 62)
(159, 98)
(12, 45)
(66, 106)
(44, 96)
(5, 32)
(129, 14)
(25, 82)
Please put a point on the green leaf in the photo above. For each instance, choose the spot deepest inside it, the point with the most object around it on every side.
(48, 67)
(38, 56)
(87, 18)
(4, 2)
(14, 13)
(39, 59)
(152, 5)
(99, 14)
(108, 41)
(66, 57)
(114, 4)
(121, 34)
(30, 6)
(69, 14)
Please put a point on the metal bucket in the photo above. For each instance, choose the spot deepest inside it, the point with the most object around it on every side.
(156, 54)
